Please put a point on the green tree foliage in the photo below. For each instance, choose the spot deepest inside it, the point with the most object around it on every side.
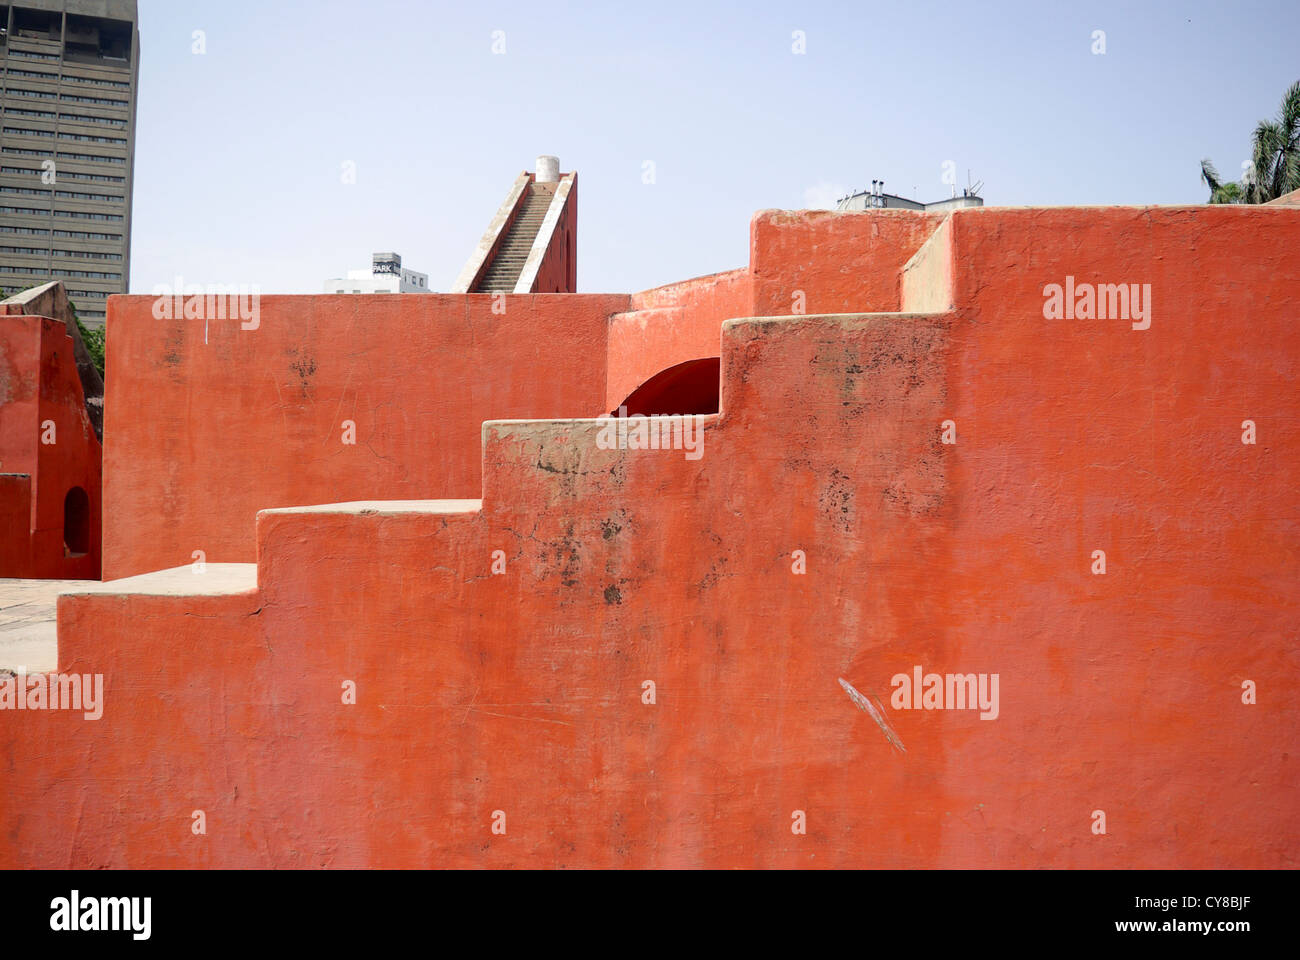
(1274, 168)
(93, 339)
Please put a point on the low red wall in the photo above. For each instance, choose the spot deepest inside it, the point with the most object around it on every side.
(206, 425)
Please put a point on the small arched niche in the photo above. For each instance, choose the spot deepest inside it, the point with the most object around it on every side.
(76, 523)
(684, 389)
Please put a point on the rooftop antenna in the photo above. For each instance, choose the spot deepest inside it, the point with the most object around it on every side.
(973, 190)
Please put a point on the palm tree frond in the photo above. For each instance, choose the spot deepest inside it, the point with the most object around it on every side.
(1210, 175)
(1267, 149)
(1274, 167)
(1291, 173)
(1288, 116)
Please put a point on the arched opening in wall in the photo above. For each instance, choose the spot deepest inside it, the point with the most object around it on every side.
(687, 388)
(76, 523)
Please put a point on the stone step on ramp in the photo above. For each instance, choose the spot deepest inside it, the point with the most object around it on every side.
(503, 272)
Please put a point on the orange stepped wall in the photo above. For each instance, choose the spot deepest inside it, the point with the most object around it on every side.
(416, 376)
(522, 691)
(202, 435)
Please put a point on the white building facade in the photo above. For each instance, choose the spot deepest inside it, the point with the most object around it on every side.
(386, 275)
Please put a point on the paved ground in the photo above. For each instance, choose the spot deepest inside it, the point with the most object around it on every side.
(28, 636)
(28, 608)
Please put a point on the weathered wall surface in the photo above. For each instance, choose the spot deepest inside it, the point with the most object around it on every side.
(202, 435)
(45, 433)
(522, 690)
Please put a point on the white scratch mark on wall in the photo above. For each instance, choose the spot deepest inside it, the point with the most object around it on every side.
(876, 715)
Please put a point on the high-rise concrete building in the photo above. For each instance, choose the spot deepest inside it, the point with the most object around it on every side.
(67, 147)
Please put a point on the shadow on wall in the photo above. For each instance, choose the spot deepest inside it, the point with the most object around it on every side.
(687, 388)
(76, 523)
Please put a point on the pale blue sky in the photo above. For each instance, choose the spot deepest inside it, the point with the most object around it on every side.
(240, 150)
